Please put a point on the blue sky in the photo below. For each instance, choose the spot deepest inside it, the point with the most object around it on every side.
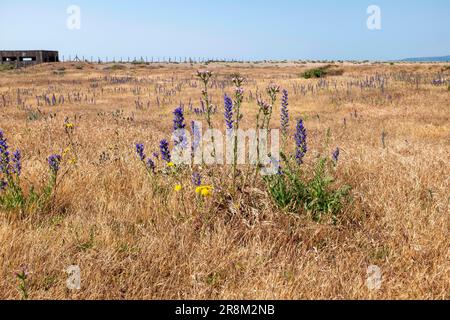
(245, 29)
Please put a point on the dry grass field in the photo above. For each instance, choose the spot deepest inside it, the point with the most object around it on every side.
(135, 237)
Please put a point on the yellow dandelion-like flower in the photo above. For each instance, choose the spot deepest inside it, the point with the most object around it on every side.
(178, 188)
(170, 164)
(70, 125)
(204, 191)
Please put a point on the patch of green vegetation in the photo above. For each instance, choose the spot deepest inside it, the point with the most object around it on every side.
(316, 196)
(6, 67)
(322, 72)
(116, 67)
(315, 73)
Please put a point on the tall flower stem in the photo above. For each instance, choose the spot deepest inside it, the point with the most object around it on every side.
(205, 76)
(239, 97)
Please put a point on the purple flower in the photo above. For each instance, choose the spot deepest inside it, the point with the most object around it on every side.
(239, 91)
(285, 113)
(140, 151)
(179, 128)
(229, 112)
(300, 142)
(264, 106)
(196, 132)
(178, 120)
(4, 155)
(151, 165)
(164, 149)
(54, 162)
(273, 89)
(196, 179)
(204, 75)
(336, 154)
(17, 163)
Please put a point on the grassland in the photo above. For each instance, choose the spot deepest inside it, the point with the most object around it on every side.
(135, 238)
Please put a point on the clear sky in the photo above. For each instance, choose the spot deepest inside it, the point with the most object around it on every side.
(244, 29)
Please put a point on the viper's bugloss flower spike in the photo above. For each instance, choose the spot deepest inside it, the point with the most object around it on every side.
(178, 120)
(17, 162)
(285, 113)
(336, 154)
(196, 132)
(151, 165)
(4, 155)
(164, 149)
(228, 112)
(196, 179)
(140, 151)
(53, 163)
(301, 146)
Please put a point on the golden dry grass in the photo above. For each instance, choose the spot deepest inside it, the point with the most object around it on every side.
(135, 238)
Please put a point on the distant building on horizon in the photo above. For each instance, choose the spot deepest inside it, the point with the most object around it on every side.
(28, 57)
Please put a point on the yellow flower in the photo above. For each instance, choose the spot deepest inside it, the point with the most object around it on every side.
(65, 151)
(69, 125)
(204, 191)
(171, 164)
(178, 188)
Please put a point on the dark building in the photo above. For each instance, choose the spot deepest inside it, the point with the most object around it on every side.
(29, 57)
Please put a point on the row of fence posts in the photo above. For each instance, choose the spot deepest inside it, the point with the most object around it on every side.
(93, 59)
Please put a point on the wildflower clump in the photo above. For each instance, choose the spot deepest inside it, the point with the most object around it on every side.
(12, 196)
(295, 189)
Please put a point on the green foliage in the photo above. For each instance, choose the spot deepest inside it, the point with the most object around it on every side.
(22, 278)
(315, 73)
(6, 67)
(14, 198)
(316, 196)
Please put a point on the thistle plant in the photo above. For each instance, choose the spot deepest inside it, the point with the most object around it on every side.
(273, 90)
(205, 77)
(238, 99)
(22, 277)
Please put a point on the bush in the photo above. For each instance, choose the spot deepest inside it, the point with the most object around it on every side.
(322, 72)
(315, 73)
